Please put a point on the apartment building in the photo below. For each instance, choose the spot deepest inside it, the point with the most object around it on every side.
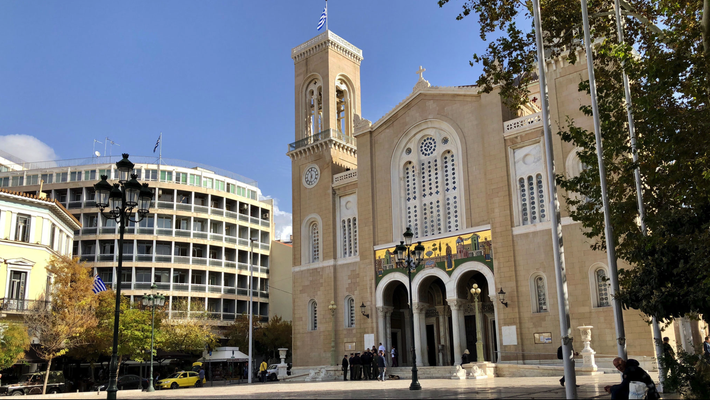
(205, 228)
(32, 230)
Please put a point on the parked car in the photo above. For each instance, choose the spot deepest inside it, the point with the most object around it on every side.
(32, 383)
(179, 379)
(125, 382)
(272, 373)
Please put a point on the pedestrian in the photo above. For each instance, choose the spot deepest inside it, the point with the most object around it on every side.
(381, 348)
(366, 364)
(357, 361)
(345, 367)
(201, 375)
(706, 349)
(560, 356)
(631, 371)
(382, 366)
(464, 357)
(375, 368)
(352, 367)
(395, 363)
(262, 371)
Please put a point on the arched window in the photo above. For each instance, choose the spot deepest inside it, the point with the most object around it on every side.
(531, 187)
(601, 286)
(430, 184)
(538, 287)
(349, 312)
(312, 315)
(314, 242)
(343, 107)
(313, 108)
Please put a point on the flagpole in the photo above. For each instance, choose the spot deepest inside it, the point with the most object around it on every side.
(160, 155)
(326, 15)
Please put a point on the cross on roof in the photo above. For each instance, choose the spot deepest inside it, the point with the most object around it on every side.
(421, 72)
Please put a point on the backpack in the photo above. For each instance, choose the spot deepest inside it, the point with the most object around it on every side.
(559, 353)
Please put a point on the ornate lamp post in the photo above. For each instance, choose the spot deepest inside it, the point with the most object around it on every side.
(332, 307)
(476, 293)
(152, 300)
(411, 263)
(120, 200)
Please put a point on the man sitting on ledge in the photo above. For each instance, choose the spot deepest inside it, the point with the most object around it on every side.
(631, 371)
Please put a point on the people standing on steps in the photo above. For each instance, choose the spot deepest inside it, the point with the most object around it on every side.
(345, 367)
(395, 363)
(375, 364)
(366, 364)
(352, 366)
(357, 362)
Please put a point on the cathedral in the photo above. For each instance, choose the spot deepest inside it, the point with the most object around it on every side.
(467, 176)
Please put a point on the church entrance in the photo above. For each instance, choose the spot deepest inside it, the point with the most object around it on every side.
(484, 310)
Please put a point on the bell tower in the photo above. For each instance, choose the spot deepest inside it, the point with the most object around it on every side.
(327, 102)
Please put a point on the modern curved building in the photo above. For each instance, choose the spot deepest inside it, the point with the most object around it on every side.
(195, 244)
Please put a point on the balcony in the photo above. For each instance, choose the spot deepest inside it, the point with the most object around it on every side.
(522, 124)
(23, 306)
(322, 137)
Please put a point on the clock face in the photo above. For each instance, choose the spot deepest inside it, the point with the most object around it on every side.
(310, 177)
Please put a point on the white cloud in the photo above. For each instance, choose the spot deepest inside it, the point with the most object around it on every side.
(27, 148)
(283, 221)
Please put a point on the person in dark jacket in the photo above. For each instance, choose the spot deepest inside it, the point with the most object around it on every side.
(366, 364)
(464, 357)
(352, 366)
(382, 365)
(357, 364)
(375, 367)
(345, 367)
(631, 371)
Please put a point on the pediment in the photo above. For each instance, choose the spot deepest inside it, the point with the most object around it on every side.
(20, 262)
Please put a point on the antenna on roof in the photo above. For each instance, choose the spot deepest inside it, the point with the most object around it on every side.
(96, 153)
(112, 143)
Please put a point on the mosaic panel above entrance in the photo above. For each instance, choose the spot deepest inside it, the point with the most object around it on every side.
(443, 253)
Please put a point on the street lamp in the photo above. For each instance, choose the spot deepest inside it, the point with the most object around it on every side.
(411, 263)
(476, 293)
(152, 300)
(332, 307)
(121, 199)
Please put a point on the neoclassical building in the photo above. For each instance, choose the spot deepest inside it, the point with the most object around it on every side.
(468, 176)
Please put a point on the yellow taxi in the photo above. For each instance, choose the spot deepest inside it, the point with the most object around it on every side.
(180, 379)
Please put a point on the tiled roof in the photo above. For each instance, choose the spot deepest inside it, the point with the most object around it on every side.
(50, 201)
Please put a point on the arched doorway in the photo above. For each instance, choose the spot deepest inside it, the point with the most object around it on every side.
(394, 317)
(436, 325)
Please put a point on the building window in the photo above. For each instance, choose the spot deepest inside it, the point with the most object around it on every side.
(432, 188)
(18, 285)
(349, 312)
(601, 284)
(312, 315)
(349, 236)
(539, 293)
(52, 233)
(531, 188)
(313, 108)
(22, 228)
(315, 242)
(343, 96)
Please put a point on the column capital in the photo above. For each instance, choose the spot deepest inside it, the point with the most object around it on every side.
(456, 304)
(420, 308)
(383, 310)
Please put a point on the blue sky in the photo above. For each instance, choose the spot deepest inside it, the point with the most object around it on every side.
(215, 77)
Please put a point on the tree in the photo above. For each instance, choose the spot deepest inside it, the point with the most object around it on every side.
(275, 334)
(669, 70)
(14, 341)
(61, 326)
(134, 328)
(188, 335)
(238, 333)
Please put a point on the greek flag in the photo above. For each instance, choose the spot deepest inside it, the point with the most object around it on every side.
(99, 285)
(157, 143)
(323, 17)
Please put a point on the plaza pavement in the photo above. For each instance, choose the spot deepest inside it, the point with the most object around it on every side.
(591, 387)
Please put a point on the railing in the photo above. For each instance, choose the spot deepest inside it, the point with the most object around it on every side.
(182, 233)
(142, 285)
(229, 290)
(75, 204)
(105, 257)
(199, 235)
(217, 211)
(264, 246)
(202, 209)
(89, 231)
(144, 231)
(87, 257)
(216, 237)
(144, 257)
(162, 286)
(199, 261)
(230, 264)
(244, 218)
(522, 122)
(243, 242)
(265, 223)
(215, 262)
(181, 260)
(345, 177)
(231, 214)
(230, 239)
(165, 259)
(166, 205)
(322, 136)
(110, 230)
(198, 288)
(22, 305)
(183, 207)
(214, 289)
(164, 232)
(182, 287)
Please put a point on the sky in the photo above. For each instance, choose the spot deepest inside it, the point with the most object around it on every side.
(214, 76)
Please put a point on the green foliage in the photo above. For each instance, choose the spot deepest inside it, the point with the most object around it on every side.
(190, 334)
(238, 333)
(689, 375)
(14, 341)
(275, 334)
(669, 71)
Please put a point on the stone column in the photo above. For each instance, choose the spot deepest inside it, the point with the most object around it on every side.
(407, 346)
(587, 353)
(381, 328)
(456, 313)
(388, 332)
(418, 309)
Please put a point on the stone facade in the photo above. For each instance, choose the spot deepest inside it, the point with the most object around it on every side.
(496, 230)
